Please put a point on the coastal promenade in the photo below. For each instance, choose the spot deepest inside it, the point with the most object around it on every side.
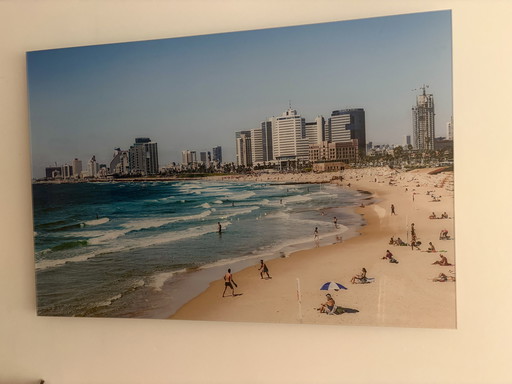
(399, 295)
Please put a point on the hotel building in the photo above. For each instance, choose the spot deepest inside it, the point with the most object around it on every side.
(120, 164)
(143, 157)
(289, 139)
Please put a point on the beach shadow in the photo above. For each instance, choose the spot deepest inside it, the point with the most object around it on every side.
(267, 278)
(237, 294)
(350, 310)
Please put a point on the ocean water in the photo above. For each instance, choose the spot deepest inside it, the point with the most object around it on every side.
(143, 249)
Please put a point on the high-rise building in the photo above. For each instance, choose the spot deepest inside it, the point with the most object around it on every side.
(92, 167)
(407, 141)
(120, 164)
(188, 157)
(77, 168)
(217, 154)
(423, 122)
(143, 157)
(266, 139)
(67, 171)
(243, 148)
(257, 152)
(315, 131)
(449, 129)
(261, 143)
(202, 157)
(289, 137)
(346, 125)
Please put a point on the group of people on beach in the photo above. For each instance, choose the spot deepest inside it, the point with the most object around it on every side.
(443, 261)
(444, 215)
(229, 282)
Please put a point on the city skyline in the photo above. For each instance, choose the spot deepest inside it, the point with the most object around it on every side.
(195, 92)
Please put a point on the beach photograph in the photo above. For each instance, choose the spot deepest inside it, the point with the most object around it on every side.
(298, 175)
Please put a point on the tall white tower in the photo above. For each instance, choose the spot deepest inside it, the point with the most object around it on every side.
(423, 121)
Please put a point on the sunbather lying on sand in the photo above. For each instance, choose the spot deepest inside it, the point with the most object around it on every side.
(443, 262)
(443, 278)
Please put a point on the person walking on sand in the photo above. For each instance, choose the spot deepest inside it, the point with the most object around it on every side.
(316, 234)
(393, 209)
(263, 268)
(228, 282)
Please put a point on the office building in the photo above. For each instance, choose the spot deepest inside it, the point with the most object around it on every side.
(423, 122)
(217, 154)
(77, 168)
(257, 152)
(67, 171)
(346, 125)
(261, 143)
(188, 157)
(266, 139)
(243, 148)
(315, 131)
(143, 157)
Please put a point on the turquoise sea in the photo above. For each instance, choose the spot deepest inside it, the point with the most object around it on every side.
(143, 249)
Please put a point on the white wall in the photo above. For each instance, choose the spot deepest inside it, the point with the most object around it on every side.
(158, 351)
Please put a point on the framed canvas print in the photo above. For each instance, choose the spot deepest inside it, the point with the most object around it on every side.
(289, 175)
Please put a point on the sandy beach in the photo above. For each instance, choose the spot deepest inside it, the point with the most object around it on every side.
(400, 294)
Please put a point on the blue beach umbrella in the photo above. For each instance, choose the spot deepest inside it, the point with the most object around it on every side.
(331, 285)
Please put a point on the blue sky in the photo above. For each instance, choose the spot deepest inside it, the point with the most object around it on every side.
(196, 92)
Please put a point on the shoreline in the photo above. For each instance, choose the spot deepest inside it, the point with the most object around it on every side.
(190, 284)
(401, 294)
